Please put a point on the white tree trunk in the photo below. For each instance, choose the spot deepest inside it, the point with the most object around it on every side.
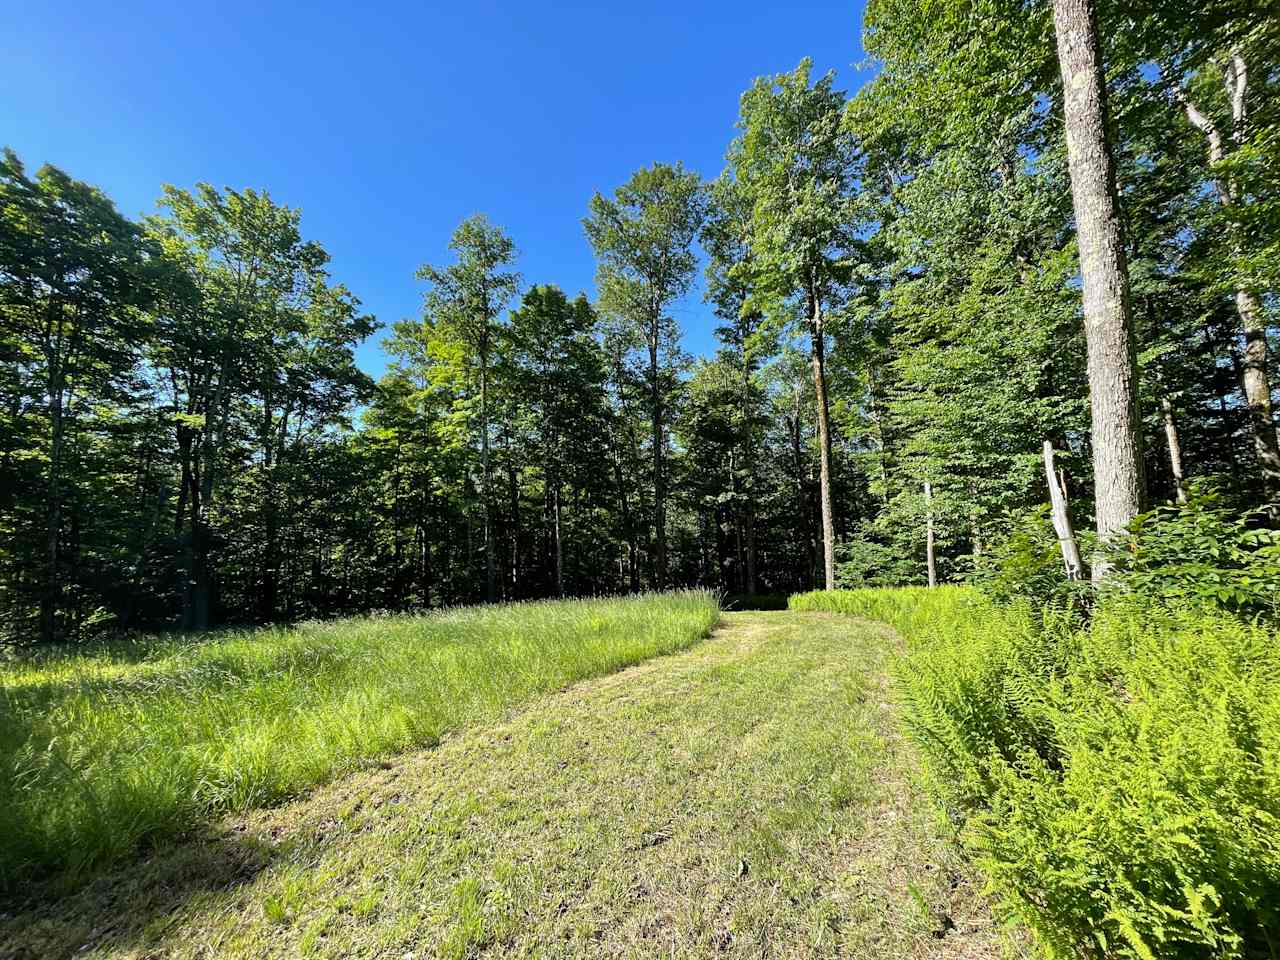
(1062, 519)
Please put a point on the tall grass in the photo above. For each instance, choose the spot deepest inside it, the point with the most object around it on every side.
(102, 750)
(1119, 780)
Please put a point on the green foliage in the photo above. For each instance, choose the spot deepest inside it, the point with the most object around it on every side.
(1026, 564)
(1118, 783)
(1202, 553)
(864, 562)
(104, 748)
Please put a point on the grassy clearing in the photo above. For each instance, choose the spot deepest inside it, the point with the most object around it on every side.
(749, 797)
(103, 749)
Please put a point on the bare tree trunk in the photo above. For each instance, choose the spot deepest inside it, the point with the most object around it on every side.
(1062, 518)
(1257, 393)
(1108, 312)
(928, 540)
(817, 352)
(802, 494)
(1175, 447)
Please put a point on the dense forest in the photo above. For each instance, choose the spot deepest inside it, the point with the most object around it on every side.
(917, 287)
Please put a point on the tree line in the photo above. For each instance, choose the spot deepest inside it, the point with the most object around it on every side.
(1040, 221)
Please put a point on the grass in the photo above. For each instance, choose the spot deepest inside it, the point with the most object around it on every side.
(747, 797)
(103, 750)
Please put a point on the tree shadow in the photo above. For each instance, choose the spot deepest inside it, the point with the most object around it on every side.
(130, 904)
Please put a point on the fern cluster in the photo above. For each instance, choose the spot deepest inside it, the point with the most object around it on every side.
(1118, 781)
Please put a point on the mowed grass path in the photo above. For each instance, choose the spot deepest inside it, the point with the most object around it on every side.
(750, 797)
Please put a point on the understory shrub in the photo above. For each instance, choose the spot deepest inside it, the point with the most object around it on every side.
(1200, 553)
(1118, 781)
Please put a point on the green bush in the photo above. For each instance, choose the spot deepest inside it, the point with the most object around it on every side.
(1026, 565)
(1201, 553)
(1118, 781)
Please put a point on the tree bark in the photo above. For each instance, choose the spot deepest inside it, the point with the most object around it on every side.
(1175, 447)
(1108, 312)
(1062, 518)
(817, 353)
(1257, 393)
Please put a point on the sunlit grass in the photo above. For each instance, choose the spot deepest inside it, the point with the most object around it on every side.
(749, 797)
(101, 750)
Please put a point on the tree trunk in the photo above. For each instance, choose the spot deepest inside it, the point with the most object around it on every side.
(817, 353)
(1108, 312)
(1257, 393)
(659, 479)
(1062, 518)
(628, 524)
(928, 539)
(1175, 447)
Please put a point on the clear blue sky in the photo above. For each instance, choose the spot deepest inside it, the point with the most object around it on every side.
(387, 123)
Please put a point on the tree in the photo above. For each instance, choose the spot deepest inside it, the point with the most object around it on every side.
(556, 372)
(250, 278)
(1234, 143)
(747, 344)
(643, 237)
(1119, 489)
(795, 162)
(73, 279)
(465, 300)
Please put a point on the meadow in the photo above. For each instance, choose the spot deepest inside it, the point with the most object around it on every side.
(107, 748)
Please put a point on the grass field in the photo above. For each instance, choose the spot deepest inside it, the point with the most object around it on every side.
(748, 797)
(103, 750)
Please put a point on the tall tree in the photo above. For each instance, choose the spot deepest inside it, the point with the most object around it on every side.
(796, 163)
(250, 272)
(1119, 489)
(72, 280)
(643, 237)
(556, 372)
(466, 299)
(747, 344)
(1233, 144)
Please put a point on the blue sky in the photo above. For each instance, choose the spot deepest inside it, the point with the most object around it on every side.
(388, 123)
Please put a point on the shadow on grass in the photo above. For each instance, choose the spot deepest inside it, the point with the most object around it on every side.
(129, 904)
(754, 601)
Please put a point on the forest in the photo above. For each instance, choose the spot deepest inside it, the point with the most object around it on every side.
(187, 439)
